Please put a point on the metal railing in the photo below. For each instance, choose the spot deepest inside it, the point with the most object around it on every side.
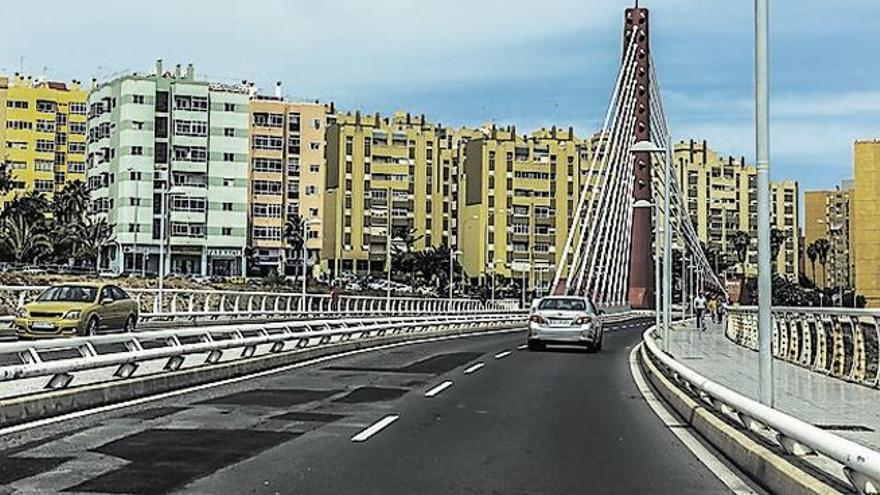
(59, 359)
(839, 342)
(861, 464)
(220, 304)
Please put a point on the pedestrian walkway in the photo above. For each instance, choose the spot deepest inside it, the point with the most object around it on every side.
(843, 408)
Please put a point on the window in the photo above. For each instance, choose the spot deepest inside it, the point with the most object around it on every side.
(78, 148)
(16, 104)
(267, 187)
(267, 165)
(190, 153)
(137, 99)
(265, 210)
(192, 103)
(45, 146)
(227, 206)
(19, 125)
(190, 128)
(78, 128)
(267, 233)
(228, 157)
(137, 150)
(78, 108)
(229, 107)
(314, 169)
(76, 167)
(135, 176)
(229, 132)
(311, 190)
(134, 201)
(134, 227)
(226, 231)
(183, 203)
(44, 125)
(315, 145)
(43, 165)
(228, 182)
(44, 185)
(263, 142)
(313, 212)
(45, 106)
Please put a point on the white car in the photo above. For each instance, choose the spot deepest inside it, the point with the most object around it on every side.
(567, 320)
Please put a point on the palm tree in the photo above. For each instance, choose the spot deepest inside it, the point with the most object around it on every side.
(407, 235)
(89, 237)
(741, 242)
(822, 248)
(777, 237)
(71, 203)
(293, 237)
(6, 182)
(813, 254)
(23, 239)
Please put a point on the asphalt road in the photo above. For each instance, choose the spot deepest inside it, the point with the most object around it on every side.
(552, 422)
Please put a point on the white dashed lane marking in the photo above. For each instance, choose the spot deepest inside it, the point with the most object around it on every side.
(502, 354)
(473, 368)
(439, 388)
(375, 428)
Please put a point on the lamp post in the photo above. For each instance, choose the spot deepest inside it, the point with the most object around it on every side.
(388, 248)
(643, 203)
(647, 146)
(452, 256)
(762, 165)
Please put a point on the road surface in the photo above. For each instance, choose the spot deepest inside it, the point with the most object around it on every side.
(474, 415)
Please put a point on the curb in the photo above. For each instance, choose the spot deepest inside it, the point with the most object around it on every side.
(29, 408)
(769, 469)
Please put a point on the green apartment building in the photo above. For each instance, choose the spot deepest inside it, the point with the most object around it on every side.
(167, 135)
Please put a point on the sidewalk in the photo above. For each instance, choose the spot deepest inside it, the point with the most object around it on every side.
(846, 409)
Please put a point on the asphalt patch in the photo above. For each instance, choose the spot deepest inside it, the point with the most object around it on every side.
(371, 394)
(271, 397)
(434, 365)
(154, 413)
(309, 416)
(18, 468)
(163, 460)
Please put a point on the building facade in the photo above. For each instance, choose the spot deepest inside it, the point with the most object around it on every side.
(721, 197)
(166, 137)
(286, 176)
(827, 216)
(520, 195)
(43, 132)
(386, 176)
(865, 220)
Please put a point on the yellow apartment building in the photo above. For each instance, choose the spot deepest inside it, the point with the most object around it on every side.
(43, 133)
(865, 219)
(285, 175)
(720, 192)
(520, 195)
(827, 216)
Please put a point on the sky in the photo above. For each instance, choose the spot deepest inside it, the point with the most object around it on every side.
(521, 62)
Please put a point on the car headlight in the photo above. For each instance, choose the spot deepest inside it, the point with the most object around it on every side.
(73, 314)
(22, 313)
(537, 319)
(583, 320)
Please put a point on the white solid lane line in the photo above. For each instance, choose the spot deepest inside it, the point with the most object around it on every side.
(473, 368)
(375, 428)
(727, 476)
(522, 347)
(439, 388)
(502, 354)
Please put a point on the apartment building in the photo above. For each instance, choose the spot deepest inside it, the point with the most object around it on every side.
(520, 195)
(42, 134)
(286, 176)
(721, 196)
(385, 174)
(827, 216)
(167, 136)
(865, 220)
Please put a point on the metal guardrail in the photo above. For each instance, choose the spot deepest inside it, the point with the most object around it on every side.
(839, 342)
(58, 359)
(861, 464)
(217, 304)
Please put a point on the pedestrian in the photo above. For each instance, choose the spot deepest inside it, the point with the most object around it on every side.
(699, 305)
(334, 297)
(712, 307)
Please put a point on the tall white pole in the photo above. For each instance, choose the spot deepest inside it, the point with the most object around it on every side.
(388, 251)
(162, 197)
(451, 262)
(303, 254)
(657, 262)
(684, 296)
(667, 246)
(762, 134)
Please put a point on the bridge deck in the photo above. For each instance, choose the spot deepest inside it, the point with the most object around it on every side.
(846, 409)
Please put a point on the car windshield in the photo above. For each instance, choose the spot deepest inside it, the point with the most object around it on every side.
(562, 304)
(74, 293)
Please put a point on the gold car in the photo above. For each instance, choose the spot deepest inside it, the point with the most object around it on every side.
(77, 309)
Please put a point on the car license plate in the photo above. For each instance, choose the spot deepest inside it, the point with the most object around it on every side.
(42, 325)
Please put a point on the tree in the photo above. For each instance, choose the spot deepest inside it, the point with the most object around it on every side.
(777, 238)
(822, 248)
(70, 205)
(89, 237)
(292, 234)
(23, 240)
(813, 254)
(408, 235)
(6, 182)
(741, 242)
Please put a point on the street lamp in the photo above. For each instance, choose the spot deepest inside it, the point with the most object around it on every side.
(650, 147)
(305, 226)
(452, 256)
